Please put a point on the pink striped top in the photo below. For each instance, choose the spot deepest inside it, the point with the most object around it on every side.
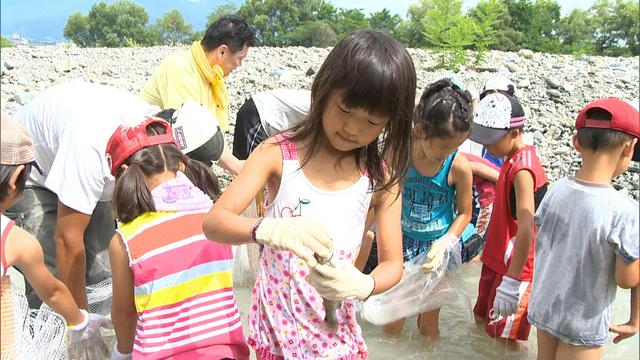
(186, 307)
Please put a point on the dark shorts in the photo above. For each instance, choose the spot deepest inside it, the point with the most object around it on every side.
(249, 132)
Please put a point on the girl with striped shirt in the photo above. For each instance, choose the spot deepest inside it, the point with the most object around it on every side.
(172, 288)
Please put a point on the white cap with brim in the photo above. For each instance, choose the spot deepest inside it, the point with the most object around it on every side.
(499, 83)
(495, 115)
(197, 132)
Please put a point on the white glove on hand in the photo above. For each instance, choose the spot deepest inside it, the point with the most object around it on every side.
(89, 327)
(506, 300)
(296, 234)
(435, 256)
(117, 355)
(342, 282)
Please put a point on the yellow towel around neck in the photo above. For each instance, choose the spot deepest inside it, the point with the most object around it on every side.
(215, 75)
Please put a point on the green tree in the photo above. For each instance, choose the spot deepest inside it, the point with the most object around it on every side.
(537, 21)
(494, 25)
(616, 27)
(78, 30)
(439, 19)
(172, 28)
(4, 42)
(274, 20)
(449, 32)
(348, 20)
(227, 8)
(384, 21)
(313, 33)
(576, 33)
(121, 23)
(410, 31)
(486, 17)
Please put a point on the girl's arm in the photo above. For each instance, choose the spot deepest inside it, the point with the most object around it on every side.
(224, 223)
(367, 242)
(484, 171)
(123, 310)
(387, 207)
(462, 178)
(525, 205)
(24, 251)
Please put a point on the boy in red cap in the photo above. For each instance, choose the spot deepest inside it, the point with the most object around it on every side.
(587, 240)
(505, 280)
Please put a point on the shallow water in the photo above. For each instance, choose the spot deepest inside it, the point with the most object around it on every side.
(460, 337)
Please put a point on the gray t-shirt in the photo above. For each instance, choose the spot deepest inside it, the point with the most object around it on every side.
(582, 228)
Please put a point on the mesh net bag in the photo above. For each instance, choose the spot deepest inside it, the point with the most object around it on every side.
(8, 332)
(246, 256)
(99, 297)
(35, 334)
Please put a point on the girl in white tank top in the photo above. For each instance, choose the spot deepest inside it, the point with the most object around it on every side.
(322, 180)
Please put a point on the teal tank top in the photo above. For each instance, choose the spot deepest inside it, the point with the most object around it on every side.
(427, 203)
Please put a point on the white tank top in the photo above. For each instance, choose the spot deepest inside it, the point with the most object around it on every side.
(342, 212)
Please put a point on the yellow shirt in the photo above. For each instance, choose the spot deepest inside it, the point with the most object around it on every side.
(177, 80)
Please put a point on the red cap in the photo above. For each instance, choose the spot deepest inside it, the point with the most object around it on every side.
(126, 140)
(624, 117)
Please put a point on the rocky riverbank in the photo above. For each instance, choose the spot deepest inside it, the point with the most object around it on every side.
(552, 88)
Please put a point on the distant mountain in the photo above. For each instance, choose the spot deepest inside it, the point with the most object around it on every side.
(44, 20)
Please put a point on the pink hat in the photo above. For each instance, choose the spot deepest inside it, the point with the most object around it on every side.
(16, 147)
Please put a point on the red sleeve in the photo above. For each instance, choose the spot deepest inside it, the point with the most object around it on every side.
(5, 234)
(528, 160)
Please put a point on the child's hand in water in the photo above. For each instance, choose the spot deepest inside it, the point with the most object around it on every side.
(296, 234)
(435, 256)
(342, 282)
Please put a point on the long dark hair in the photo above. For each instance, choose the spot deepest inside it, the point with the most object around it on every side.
(375, 73)
(132, 197)
(444, 109)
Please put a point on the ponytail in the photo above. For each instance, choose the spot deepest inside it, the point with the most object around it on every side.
(131, 196)
(202, 177)
(444, 109)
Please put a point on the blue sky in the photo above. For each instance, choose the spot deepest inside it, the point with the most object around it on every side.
(45, 19)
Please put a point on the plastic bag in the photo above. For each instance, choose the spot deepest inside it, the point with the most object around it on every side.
(417, 291)
(246, 264)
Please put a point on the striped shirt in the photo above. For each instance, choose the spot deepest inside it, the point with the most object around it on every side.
(185, 304)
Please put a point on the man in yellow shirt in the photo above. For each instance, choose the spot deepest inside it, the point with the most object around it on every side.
(198, 74)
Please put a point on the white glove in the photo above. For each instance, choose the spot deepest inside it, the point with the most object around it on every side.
(341, 282)
(88, 328)
(507, 299)
(296, 234)
(117, 355)
(435, 256)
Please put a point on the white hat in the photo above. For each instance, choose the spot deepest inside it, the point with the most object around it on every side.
(499, 83)
(197, 132)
